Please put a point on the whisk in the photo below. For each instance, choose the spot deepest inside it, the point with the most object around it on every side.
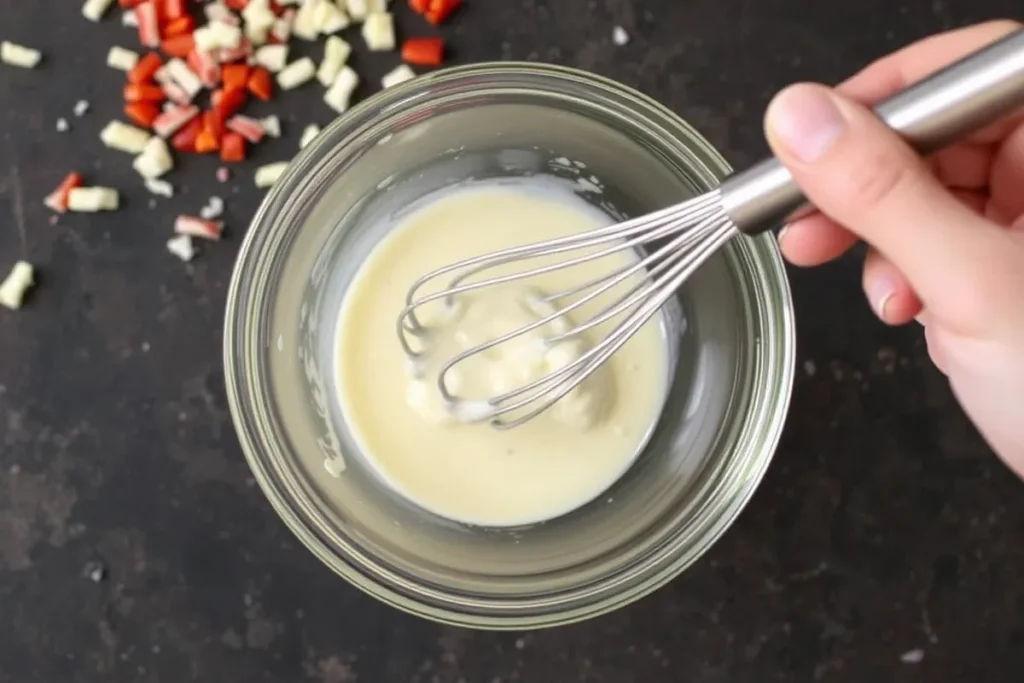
(931, 114)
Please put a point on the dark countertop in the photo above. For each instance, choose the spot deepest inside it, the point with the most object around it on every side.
(884, 526)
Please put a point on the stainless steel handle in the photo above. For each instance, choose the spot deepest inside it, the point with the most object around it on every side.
(947, 106)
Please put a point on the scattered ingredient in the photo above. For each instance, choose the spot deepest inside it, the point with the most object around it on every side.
(155, 159)
(379, 31)
(19, 55)
(232, 148)
(122, 59)
(267, 175)
(62, 125)
(92, 199)
(297, 73)
(214, 209)
(438, 11)
(400, 74)
(223, 175)
(339, 94)
(58, 199)
(619, 36)
(272, 57)
(121, 136)
(915, 656)
(336, 53)
(81, 108)
(16, 284)
(250, 129)
(160, 187)
(93, 10)
(171, 120)
(181, 246)
(311, 131)
(271, 126)
(423, 51)
(198, 227)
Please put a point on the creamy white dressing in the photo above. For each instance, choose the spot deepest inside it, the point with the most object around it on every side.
(446, 457)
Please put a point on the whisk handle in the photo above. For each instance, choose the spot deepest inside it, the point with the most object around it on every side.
(945, 107)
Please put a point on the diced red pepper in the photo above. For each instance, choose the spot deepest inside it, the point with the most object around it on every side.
(179, 26)
(180, 46)
(209, 137)
(185, 139)
(261, 84)
(141, 92)
(419, 6)
(439, 10)
(423, 51)
(145, 68)
(248, 128)
(237, 5)
(169, 122)
(149, 23)
(142, 113)
(232, 147)
(235, 76)
(228, 101)
(128, 4)
(173, 9)
(58, 199)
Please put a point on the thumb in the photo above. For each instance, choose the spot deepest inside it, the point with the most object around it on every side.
(857, 171)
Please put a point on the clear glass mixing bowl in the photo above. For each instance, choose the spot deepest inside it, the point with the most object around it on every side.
(733, 364)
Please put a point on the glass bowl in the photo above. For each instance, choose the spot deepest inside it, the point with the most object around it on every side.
(731, 328)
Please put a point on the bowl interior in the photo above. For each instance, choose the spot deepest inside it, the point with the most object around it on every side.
(697, 468)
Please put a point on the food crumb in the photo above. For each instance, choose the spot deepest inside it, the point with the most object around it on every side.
(182, 247)
(14, 287)
(94, 571)
(81, 107)
(915, 656)
(810, 368)
(619, 36)
(223, 174)
(62, 125)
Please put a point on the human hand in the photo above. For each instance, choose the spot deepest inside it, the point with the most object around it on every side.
(945, 235)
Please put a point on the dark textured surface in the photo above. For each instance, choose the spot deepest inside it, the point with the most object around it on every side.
(884, 525)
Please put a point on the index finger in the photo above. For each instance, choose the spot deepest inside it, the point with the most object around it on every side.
(907, 66)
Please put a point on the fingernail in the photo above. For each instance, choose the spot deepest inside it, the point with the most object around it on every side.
(805, 119)
(782, 234)
(881, 292)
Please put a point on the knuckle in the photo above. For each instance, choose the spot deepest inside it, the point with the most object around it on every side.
(875, 180)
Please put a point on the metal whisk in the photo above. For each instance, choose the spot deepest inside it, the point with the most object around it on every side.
(942, 109)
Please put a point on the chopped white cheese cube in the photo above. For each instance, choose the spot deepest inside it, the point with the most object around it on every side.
(184, 77)
(122, 59)
(305, 25)
(159, 187)
(123, 137)
(400, 74)
(93, 10)
(19, 55)
(360, 9)
(267, 175)
(308, 135)
(181, 246)
(271, 126)
(129, 19)
(16, 284)
(330, 19)
(299, 72)
(336, 52)
(92, 199)
(155, 160)
(339, 94)
(217, 35)
(379, 31)
(259, 19)
(272, 57)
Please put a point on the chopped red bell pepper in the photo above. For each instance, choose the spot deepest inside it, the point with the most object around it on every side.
(232, 147)
(180, 46)
(173, 9)
(439, 10)
(140, 92)
(423, 51)
(227, 101)
(209, 138)
(179, 26)
(128, 4)
(145, 68)
(261, 84)
(237, 5)
(419, 6)
(185, 139)
(235, 76)
(142, 113)
(58, 199)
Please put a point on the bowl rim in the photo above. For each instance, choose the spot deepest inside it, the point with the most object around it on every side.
(256, 441)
